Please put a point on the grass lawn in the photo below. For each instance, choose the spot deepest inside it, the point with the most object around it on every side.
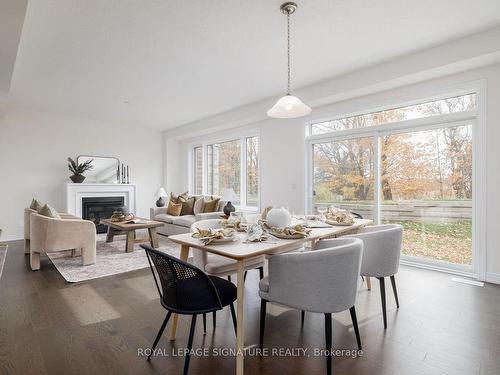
(450, 242)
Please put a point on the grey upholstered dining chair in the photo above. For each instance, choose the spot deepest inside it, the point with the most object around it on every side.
(382, 249)
(216, 265)
(323, 281)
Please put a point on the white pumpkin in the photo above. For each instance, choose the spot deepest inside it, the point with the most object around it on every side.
(279, 218)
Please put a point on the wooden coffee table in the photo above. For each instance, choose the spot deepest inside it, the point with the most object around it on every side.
(116, 228)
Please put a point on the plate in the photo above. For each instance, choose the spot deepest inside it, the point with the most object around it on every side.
(331, 222)
(282, 236)
(221, 240)
(225, 239)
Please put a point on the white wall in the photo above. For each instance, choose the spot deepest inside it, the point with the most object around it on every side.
(283, 147)
(34, 147)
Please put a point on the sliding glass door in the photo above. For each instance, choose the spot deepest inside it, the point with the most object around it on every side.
(426, 186)
(411, 165)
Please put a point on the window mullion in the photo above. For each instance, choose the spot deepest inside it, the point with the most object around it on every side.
(377, 177)
(243, 172)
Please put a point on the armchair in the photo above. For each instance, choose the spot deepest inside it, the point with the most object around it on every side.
(322, 281)
(51, 235)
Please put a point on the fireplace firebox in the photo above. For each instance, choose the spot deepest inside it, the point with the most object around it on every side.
(96, 209)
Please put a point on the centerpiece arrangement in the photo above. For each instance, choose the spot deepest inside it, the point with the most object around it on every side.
(274, 223)
(278, 223)
(208, 236)
(337, 216)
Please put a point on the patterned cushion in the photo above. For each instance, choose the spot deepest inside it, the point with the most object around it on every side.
(198, 205)
(210, 205)
(187, 205)
(174, 209)
(49, 212)
(35, 204)
(175, 198)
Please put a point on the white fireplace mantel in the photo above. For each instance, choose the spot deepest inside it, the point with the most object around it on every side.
(75, 193)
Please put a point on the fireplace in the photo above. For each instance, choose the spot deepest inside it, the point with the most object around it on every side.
(97, 208)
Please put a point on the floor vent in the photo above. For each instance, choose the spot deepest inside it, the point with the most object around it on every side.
(467, 281)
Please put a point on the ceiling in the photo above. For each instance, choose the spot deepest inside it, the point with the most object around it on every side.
(11, 24)
(164, 63)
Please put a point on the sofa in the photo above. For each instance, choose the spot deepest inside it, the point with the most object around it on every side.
(49, 234)
(182, 224)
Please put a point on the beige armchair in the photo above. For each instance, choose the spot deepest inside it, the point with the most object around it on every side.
(51, 235)
(27, 226)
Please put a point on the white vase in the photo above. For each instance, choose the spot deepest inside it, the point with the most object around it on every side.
(279, 218)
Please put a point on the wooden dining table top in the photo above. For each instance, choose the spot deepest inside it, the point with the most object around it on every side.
(240, 249)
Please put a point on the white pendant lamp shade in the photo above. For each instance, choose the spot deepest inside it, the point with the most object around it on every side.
(289, 106)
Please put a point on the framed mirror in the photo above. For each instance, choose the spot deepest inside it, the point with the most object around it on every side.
(104, 171)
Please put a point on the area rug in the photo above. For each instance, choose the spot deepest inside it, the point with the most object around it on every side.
(111, 259)
(3, 255)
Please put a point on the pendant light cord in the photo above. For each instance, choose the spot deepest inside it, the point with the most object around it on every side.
(288, 51)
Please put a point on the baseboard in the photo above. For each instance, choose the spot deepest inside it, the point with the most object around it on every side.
(12, 238)
(493, 278)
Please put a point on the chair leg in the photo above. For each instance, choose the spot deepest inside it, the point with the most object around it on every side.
(229, 278)
(34, 261)
(204, 324)
(245, 277)
(354, 319)
(394, 289)
(263, 305)
(214, 318)
(261, 273)
(189, 345)
(328, 336)
(382, 296)
(302, 316)
(160, 332)
(26, 246)
(368, 283)
(233, 316)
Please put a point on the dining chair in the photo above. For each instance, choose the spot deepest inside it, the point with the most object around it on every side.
(322, 281)
(382, 249)
(216, 265)
(185, 289)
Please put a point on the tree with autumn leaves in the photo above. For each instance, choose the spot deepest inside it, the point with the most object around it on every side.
(431, 164)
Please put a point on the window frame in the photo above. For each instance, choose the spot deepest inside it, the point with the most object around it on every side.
(478, 120)
(242, 138)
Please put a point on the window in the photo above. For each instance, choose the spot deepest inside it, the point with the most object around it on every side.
(229, 164)
(224, 167)
(252, 172)
(455, 104)
(418, 174)
(343, 174)
(198, 170)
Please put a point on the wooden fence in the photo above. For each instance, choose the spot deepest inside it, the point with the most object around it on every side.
(418, 211)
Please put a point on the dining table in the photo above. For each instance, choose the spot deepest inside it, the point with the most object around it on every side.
(242, 251)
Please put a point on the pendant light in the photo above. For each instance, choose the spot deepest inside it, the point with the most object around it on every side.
(288, 106)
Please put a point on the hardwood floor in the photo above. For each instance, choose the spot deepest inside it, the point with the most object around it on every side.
(97, 327)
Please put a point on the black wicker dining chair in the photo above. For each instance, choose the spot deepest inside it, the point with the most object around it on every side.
(187, 290)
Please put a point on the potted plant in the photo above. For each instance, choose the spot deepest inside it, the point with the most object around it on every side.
(78, 170)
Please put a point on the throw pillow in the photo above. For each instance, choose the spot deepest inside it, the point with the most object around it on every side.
(35, 204)
(174, 209)
(211, 205)
(175, 198)
(187, 205)
(198, 205)
(49, 211)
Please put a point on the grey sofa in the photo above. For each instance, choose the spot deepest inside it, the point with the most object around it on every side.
(182, 224)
